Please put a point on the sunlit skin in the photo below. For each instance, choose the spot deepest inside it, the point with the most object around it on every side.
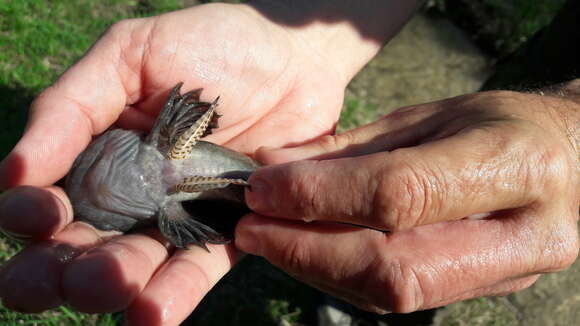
(481, 195)
(266, 99)
(282, 86)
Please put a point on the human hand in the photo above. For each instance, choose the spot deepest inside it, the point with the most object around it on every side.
(481, 194)
(274, 91)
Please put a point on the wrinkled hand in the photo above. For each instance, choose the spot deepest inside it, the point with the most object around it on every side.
(481, 195)
(271, 94)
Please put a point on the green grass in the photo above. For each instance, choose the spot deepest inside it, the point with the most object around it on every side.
(40, 39)
(58, 317)
(477, 312)
(282, 312)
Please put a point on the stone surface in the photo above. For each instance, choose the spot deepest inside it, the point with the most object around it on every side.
(330, 316)
(553, 301)
(429, 60)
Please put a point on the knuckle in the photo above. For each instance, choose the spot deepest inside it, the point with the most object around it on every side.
(553, 165)
(127, 31)
(120, 26)
(561, 249)
(400, 289)
(306, 193)
(331, 143)
(545, 164)
(403, 198)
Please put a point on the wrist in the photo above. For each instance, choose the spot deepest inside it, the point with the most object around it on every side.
(344, 34)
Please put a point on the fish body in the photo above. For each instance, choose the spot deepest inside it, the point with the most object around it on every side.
(192, 188)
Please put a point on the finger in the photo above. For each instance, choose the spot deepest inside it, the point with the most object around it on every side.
(31, 280)
(28, 212)
(82, 103)
(503, 288)
(109, 277)
(417, 268)
(401, 128)
(442, 180)
(178, 287)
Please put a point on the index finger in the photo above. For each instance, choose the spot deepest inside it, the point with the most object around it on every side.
(443, 180)
(80, 104)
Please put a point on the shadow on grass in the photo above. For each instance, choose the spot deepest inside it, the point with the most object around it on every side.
(257, 293)
(550, 57)
(14, 104)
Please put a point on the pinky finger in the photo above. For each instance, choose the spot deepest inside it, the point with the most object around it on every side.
(500, 289)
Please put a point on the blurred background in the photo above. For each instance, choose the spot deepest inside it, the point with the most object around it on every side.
(451, 47)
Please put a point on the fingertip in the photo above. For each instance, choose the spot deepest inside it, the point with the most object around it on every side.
(259, 195)
(34, 212)
(97, 285)
(272, 188)
(30, 281)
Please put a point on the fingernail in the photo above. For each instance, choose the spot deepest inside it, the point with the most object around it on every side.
(258, 196)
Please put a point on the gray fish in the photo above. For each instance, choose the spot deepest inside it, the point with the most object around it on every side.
(192, 188)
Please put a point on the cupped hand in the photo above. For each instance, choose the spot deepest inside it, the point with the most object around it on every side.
(480, 194)
(273, 91)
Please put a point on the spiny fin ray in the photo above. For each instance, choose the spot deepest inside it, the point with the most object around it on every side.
(200, 183)
(185, 142)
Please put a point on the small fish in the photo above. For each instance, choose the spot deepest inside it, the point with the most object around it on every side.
(193, 189)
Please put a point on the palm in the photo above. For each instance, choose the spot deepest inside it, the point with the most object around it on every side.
(269, 95)
(273, 92)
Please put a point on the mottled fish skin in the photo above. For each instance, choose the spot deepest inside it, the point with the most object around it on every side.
(123, 181)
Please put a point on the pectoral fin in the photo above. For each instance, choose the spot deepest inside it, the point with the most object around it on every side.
(181, 229)
(200, 183)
